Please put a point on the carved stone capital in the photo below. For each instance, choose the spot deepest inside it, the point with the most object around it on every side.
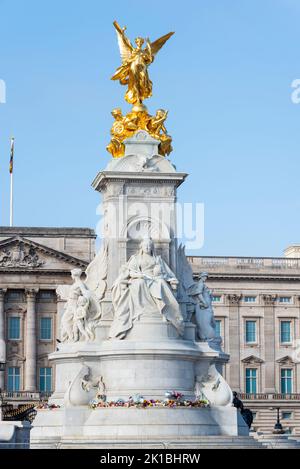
(234, 299)
(2, 293)
(31, 293)
(269, 299)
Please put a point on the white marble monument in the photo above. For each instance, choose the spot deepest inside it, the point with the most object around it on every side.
(138, 325)
(139, 363)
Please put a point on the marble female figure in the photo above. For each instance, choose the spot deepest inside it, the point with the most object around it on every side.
(204, 314)
(82, 312)
(144, 287)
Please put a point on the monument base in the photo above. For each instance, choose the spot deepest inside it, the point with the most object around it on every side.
(82, 427)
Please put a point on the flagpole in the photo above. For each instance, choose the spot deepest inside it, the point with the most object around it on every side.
(11, 219)
(11, 170)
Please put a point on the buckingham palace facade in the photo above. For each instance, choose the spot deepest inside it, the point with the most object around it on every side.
(33, 262)
(257, 310)
(256, 304)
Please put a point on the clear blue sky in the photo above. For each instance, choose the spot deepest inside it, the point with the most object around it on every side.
(225, 77)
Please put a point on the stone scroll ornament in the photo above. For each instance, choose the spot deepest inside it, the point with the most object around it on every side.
(197, 296)
(83, 308)
(145, 285)
(213, 388)
(84, 388)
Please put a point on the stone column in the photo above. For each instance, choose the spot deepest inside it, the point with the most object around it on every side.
(269, 338)
(2, 338)
(234, 342)
(31, 338)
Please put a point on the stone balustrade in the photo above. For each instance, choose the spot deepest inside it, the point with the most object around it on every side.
(244, 264)
(263, 396)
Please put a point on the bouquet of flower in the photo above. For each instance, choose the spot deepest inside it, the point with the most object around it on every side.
(45, 405)
(139, 402)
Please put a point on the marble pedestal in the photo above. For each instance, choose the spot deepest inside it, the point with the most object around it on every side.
(148, 364)
(139, 201)
(14, 435)
(133, 428)
(152, 360)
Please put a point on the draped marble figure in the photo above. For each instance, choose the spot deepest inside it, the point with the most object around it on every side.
(204, 314)
(144, 286)
(82, 311)
(199, 295)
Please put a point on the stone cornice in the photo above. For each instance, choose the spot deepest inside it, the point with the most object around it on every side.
(145, 177)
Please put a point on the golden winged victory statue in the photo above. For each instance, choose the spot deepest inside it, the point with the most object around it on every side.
(134, 73)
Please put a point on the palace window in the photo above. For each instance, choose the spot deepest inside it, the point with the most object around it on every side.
(14, 295)
(251, 380)
(46, 379)
(285, 299)
(216, 298)
(286, 375)
(250, 330)
(46, 328)
(249, 299)
(285, 332)
(13, 382)
(46, 295)
(14, 328)
(218, 327)
(286, 415)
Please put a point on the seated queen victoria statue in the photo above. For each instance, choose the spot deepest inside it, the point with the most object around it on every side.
(145, 286)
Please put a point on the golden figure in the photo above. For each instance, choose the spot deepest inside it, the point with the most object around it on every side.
(133, 72)
(135, 61)
(123, 127)
(126, 126)
(156, 128)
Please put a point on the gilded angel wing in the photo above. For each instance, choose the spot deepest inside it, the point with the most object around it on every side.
(157, 45)
(125, 45)
(96, 273)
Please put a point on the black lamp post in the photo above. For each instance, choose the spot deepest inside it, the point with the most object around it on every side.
(278, 430)
(2, 368)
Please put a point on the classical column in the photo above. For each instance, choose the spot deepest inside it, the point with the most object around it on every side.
(234, 342)
(270, 344)
(2, 338)
(31, 338)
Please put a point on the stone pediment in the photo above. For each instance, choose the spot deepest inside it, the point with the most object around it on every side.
(14, 357)
(286, 360)
(252, 359)
(20, 254)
